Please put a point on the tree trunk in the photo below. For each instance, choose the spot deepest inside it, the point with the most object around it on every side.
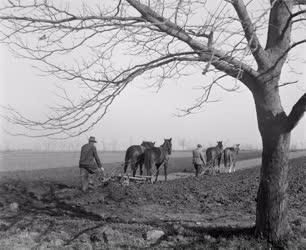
(271, 211)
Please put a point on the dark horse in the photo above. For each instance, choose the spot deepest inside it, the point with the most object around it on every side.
(157, 156)
(230, 157)
(134, 156)
(214, 154)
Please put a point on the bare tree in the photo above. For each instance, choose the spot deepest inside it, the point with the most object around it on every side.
(93, 46)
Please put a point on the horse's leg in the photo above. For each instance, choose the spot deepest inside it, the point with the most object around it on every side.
(140, 169)
(232, 164)
(134, 168)
(213, 165)
(125, 166)
(165, 170)
(216, 165)
(219, 162)
(157, 173)
(149, 168)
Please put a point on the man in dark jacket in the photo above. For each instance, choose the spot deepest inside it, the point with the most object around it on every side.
(89, 163)
(198, 159)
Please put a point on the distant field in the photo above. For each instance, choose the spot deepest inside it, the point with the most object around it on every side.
(27, 160)
(62, 167)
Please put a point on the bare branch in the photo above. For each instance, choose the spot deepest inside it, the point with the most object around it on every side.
(299, 2)
(221, 61)
(88, 112)
(296, 113)
(203, 99)
(177, 10)
(250, 33)
(290, 21)
(287, 83)
(280, 13)
(102, 49)
(281, 56)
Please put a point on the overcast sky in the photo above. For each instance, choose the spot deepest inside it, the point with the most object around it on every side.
(140, 113)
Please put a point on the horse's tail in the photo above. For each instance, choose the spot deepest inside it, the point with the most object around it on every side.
(129, 157)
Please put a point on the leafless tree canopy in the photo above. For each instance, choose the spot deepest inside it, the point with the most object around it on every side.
(104, 45)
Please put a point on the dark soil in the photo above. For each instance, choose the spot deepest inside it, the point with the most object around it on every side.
(212, 212)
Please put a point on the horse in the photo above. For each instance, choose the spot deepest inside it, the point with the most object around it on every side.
(134, 156)
(214, 154)
(156, 156)
(230, 157)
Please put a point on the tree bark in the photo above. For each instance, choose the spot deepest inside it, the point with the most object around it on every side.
(271, 211)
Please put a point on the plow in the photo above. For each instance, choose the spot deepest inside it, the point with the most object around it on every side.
(116, 175)
(127, 179)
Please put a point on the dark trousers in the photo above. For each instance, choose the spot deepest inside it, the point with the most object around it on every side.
(198, 168)
(89, 177)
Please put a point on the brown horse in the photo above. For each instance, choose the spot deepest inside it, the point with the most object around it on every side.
(156, 156)
(134, 156)
(230, 157)
(214, 154)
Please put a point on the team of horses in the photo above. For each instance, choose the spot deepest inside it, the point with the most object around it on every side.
(150, 156)
(153, 157)
(214, 156)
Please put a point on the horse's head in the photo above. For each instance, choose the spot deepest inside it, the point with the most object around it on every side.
(168, 145)
(237, 148)
(219, 144)
(148, 144)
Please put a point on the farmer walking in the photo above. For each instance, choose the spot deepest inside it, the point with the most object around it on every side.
(89, 164)
(198, 159)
